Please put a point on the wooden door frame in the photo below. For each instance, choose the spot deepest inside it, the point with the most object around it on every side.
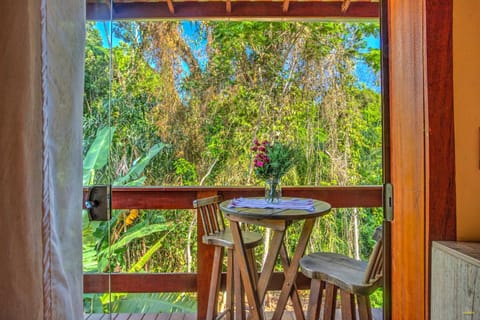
(386, 161)
(421, 140)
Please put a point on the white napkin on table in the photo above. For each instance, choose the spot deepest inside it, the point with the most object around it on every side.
(297, 204)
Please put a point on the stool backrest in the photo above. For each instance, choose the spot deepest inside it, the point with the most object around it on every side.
(374, 271)
(212, 218)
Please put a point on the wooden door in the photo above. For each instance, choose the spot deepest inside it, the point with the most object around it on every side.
(421, 144)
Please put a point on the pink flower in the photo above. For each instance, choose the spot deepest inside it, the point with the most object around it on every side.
(262, 157)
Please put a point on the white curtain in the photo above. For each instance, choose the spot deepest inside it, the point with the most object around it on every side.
(41, 90)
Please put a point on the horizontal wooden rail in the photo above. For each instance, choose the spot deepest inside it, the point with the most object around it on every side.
(163, 282)
(182, 197)
(140, 282)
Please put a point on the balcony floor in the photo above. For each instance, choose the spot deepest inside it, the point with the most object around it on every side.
(141, 316)
(288, 315)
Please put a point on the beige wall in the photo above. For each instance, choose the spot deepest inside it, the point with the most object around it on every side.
(466, 81)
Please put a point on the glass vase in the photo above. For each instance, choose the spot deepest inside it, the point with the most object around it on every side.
(273, 190)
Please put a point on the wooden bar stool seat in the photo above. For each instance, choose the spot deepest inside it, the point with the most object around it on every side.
(216, 234)
(354, 279)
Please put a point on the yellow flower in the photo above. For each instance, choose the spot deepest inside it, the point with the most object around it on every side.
(132, 215)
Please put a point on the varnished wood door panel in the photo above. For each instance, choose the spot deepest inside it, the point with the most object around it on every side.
(408, 158)
(422, 145)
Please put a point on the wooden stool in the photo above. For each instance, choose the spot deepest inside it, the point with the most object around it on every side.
(217, 235)
(354, 279)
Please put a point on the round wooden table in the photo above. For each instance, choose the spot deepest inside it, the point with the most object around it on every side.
(278, 220)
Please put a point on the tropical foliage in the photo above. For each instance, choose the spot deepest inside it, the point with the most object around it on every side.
(178, 103)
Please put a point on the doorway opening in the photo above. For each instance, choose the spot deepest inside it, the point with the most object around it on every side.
(219, 113)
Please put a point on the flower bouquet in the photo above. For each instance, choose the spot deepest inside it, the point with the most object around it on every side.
(272, 161)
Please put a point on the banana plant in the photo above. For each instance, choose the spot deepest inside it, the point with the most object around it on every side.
(96, 245)
(96, 159)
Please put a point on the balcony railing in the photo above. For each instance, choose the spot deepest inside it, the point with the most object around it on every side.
(182, 198)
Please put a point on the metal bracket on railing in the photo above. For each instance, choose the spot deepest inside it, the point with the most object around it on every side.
(98, 203)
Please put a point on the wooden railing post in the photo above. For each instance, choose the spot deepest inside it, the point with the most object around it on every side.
(204, 264)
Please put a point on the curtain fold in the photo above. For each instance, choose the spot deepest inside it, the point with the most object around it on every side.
(63, 43)
(41, 91)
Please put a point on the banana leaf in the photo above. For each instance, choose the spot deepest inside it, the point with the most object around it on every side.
(138, 166)
(97, 155)
(137, 267)
(137, 234)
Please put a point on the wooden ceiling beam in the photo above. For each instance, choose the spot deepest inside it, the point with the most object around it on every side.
(228, 6)
(170, 6)
(107, 3)
(286, 3)
(243, 10)
(346, 5)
